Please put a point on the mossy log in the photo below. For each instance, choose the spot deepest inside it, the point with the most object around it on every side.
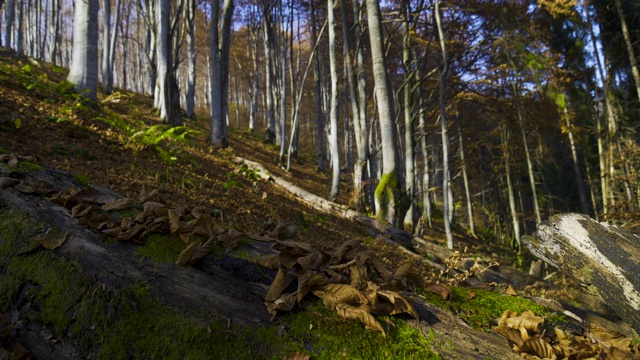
(605, 258)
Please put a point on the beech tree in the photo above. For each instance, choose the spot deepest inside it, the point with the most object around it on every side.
(169, 102)
(83, 72)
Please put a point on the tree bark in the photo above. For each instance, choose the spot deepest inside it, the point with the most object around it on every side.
(83, 72)
(629, 44)
(9, 12)
(446, 182)
(603, 257)
(169, 104)
(388, 191)
(318, 93)
(333, 110)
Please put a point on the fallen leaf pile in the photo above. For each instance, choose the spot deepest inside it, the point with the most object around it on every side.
(527, 334)
(351, 281)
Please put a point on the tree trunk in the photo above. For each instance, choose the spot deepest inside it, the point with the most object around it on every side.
(169, 104)
(446, 182)
(388, 191)
(603, 257)
(507, 169)
(629, 44)
(9, 14)
(106, 35)
(333, 111)
(83, 72)
(532, 179)
(582, 194)
(318, 93)
(409, 141)
(190, 16)
(463, 163)
(269, 44)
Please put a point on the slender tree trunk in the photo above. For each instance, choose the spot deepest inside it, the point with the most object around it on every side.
(409, 141)
(333, 111)
(582, 196)
(463, 163)
(106, 35)
(83, 72)
(217, 119)
(190, 16)
(388, 191)
(318, 93)
(426, 176)
(9, 14)
(253, 95)
(269, 44)
(629, 44)
(510, 190)
(446, 182)
(532, 179)
(18, 40)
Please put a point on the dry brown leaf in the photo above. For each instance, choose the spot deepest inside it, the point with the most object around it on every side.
(186, 237)
(309, 281)
(230, 239)
(281, 282)
(346, 248)
(350, 312)
(334, 294)
(378, 266)
(571, 346)
(471, 295)
(185, 255)
(13, 161)
(96, 221)
(513, 336)
(527, 323)
(285, 231)
(119, 204)
(334, 276)
(358, 274)
(153, 195)
(609, 337)
(441, 289)
(311, 261)
(174, 221)
(52, 239)
(538, 347)
(297, 356)
(285, 302)
(202, 250)
(126, 235)
(7, 182)
(82, 210)
(400, 304)
(203, 225)
(511, 291)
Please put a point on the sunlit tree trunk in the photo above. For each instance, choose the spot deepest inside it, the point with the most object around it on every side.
(426, 176)
(219, 50)
(629, 44)
(446, 182)
(333, 110)
(169, 103)
(83, 72)
(388, 191)
(190, 16)
(20, 18)
(9, 13)
(253, 95)
(409, 141)
(54, 30)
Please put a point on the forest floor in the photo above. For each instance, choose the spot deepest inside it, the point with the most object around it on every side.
(119, 144)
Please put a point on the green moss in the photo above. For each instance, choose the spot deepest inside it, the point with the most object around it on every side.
(161, 248)
(384, 194)
(27, 167)
(111, 324)
(82, 179)
(486, 307)
(326, 336)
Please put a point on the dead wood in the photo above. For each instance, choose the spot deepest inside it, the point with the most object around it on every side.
(605, 258)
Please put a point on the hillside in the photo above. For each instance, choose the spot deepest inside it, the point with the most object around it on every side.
(118, 145)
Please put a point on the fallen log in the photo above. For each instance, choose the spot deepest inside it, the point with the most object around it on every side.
(605, 258)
